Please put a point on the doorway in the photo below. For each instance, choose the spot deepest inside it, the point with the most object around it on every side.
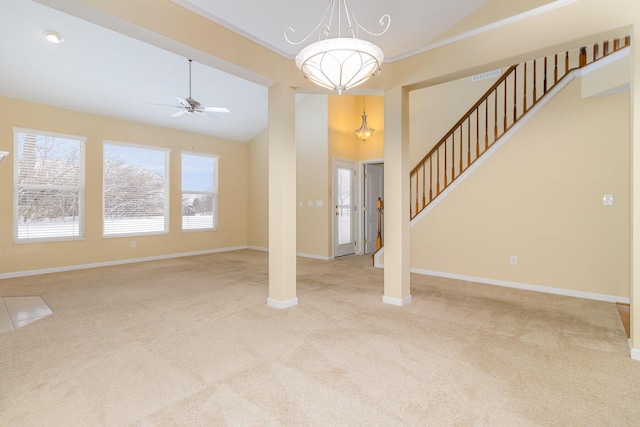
(344, 202)
(373, 221)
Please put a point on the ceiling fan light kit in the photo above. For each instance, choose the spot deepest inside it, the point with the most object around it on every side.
(339, 63)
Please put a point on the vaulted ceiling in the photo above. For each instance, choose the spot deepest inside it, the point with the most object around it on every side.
(101, 71)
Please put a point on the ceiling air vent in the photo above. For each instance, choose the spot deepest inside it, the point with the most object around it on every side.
(486, 75)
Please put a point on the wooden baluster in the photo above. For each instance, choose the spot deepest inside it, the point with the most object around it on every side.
(469, 141)
(596, 52)
(505, 104)
(430, 178)
(438, 173)
(555, 71)
(524, 82)
(453, 155)
(544, 84)
(461, 152)
(486, 123)
(424, 185)
(495, 115)
(582, 61)
(515, 96)
(477, 134)
(417, 192)
(605, 48)
(616, 44)
(627, 41)
(444, 165)
(535, 85)
(566, 63)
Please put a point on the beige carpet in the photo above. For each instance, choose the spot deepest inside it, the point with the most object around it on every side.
(191, 342)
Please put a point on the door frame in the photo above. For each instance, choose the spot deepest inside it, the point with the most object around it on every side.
(361, 201)
(355, 200)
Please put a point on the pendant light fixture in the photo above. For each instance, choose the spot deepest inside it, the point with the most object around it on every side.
(341, 62)
(364, 132)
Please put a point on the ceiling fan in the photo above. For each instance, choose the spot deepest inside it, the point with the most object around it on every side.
(190, 105)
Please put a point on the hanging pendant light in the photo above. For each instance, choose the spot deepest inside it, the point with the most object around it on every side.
(364, 132)
(339, 63)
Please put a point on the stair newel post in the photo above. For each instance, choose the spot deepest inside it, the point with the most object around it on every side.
(524, 83)
(583, 57)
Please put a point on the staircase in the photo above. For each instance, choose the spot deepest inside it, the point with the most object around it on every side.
(503, 105)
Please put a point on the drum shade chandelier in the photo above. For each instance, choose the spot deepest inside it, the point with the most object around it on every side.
(342, 62)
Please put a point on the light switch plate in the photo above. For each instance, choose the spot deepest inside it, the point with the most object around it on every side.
(319, 204)
(607, 200)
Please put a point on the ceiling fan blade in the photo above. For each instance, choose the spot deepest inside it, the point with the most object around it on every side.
(216, 109)
(183, 102)
(178, 113)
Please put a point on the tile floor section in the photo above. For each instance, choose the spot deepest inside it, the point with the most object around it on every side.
(16, 312)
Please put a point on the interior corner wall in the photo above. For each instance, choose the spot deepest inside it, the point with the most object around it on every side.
(312, 157)
(94, 249)
(540, 198)
(258, 225)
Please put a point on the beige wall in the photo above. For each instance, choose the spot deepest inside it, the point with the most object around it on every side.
(258, 225)
(540, 198)
(232, 202)
(313, 228)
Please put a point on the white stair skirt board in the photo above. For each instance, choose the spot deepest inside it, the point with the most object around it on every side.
(635, 352)
(396, 301)
(282, 304)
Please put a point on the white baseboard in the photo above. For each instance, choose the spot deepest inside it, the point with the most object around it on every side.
(400, 302)
(311, 256)
(117, 262)
(524, 286)
(635, 352)
(258, 248)
(282, 304)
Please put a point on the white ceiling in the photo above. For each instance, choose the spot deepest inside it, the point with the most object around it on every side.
(103, 72)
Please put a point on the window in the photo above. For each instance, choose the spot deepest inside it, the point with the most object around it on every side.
(48, 195)
(199, 192)
(135, 190)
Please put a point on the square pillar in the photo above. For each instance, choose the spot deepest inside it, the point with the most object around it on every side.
(282, 197)
(634, 96)
(397, 245)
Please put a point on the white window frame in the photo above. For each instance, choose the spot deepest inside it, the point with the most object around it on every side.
(214, 191)
(166, 152)
(79, 187)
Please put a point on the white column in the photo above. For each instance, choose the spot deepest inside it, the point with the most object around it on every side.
(397, 246)
(635, 195)
(282, 197)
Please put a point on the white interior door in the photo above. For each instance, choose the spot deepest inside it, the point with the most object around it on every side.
(344, 212)
(373, 188)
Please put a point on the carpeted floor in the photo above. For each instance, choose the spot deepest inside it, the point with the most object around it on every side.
(191, 342)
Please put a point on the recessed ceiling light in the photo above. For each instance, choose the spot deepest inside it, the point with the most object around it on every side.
(53, 36)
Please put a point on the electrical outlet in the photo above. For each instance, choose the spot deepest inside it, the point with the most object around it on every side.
(133, 244)
(513, 260)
